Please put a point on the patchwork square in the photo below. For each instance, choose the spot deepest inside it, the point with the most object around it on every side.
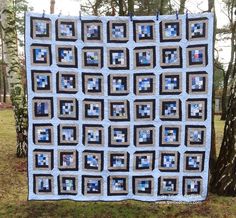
(144, 84)
(43, 134)
(93, 160)
(168, 185)
(118, 161)
(43, 159)
(194, 161)
(144, 57)
(195, 135)
(144, 110)
(196, 109)
(66, 30)
(41, 81)
(170, 30)
(192, 185)
(92, 57)
(93, 135)
(92, 185)
(144, 135)
(43, 184)
(171, 57)
(170, 109)
(67, 184)
(118, 31)
(170, 83)
(117, 185)
(42, 108)
(197, 29)
(144, 160)
(197, 56)
(118, 58)
(68, 160)
(143, 185)
(66, 56)
(67, 109)
(118, 84)
(119, 136)
(40, 28)
(67, 82)
(68, 134)
(170, 135)
(40, 55)
(93, 109)
(91, 31)
(197, 82)
(144, 31)
(168, 161)
(119, 110)
(92, 83)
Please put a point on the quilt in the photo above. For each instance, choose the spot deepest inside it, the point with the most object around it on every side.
(119, 107)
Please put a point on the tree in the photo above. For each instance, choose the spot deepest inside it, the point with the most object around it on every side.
(223, 180)
(14, 75)
(182, 6)
(52, 6)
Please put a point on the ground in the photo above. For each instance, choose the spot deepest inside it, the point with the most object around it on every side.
(13, 191)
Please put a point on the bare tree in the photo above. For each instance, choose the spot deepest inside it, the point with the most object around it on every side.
(52, 6)
(182, 6)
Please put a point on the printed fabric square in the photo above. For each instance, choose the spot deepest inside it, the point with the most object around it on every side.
(118, 58)
(43, 184)
(41, 81)
(92, 83)
(194, 161)
(170, 30)
(117, 185)
(67, 184)
(196, 109)
(144, 31)
(143, 185)
(197, 82)
(118, 31)
(170, 109)
(66, 56)
(144, 57)
(144, 110)
(169, 161)
(93, 109)
(168, 185)
(68, 134)
(171, 57)
(43, 134)
(119, 110)
(92, 160)
(170, 83)
(197, 56)
(118, 136)
(144, 160)
(92, 57)
(40, 28)
(91, 31)
(192, 185)
(41, 55)
(42, 108)
(170, 135)
(118, 84)
(144, 135)
(66, 30)
(67, 109)
(92, 185)
(67, 82)
(43, 159)
(68, 160)
(195, 135)
(197, 29)
(118, 161)
(144, 84)
(93, 135)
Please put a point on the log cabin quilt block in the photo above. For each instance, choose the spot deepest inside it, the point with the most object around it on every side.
(119, 108)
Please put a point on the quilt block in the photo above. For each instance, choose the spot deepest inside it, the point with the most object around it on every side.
(118, 108)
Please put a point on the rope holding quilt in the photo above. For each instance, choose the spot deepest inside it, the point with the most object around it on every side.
(118, 108)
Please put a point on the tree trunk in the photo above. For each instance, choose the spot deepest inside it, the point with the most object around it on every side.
(52, 6)
(223, 181)
(14, 78)
(182, 6)
(131, 6)
(121, 8)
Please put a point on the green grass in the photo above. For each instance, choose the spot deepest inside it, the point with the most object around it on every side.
(13, 192)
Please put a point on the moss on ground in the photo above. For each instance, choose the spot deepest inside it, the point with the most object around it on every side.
(13, 192)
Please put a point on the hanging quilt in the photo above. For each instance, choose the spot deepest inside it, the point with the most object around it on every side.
(119, 108)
